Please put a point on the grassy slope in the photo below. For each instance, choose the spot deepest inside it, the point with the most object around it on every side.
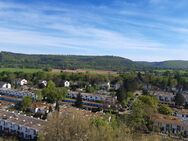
(26, 70)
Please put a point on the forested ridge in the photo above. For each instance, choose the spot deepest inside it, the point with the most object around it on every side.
(114, 63)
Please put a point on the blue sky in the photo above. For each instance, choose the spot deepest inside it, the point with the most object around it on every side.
(148, 30)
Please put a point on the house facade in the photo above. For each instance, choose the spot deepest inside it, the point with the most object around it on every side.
(5, 85)
(15, 93)
(88, 96)
(181, 113)
(105, 86)
(43, 83)
(22, 126)
(21, 82)
(66, 84)
(40, 107)
(170, 124)
(164, 97)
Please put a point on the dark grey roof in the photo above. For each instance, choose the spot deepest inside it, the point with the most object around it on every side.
(2, 83)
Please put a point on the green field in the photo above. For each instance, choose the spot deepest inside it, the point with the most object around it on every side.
(26, 70)
(170, 70)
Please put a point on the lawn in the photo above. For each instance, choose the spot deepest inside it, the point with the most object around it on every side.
(26, 70)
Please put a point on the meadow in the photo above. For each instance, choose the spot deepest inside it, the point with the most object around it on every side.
(25, 70)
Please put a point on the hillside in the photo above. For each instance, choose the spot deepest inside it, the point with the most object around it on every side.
(171, 64)
(15, 60)
(113, 63)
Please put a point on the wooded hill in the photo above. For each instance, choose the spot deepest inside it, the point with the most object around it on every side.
(15, 60)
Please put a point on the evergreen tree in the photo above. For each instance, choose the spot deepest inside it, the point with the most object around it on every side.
(179, 99)
(78, 102)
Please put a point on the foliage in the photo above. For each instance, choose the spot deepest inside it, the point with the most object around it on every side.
(136, 118)
(150, 102)
(78, 102)
(164, 109)
(90, 89)
(39, 95)
(53, 94)
(142, 109)
(15, 60)
(26, 103)
(76, 127)
(179, 99)
(121, 95)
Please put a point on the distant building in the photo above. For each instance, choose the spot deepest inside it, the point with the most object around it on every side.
(16, 93)
(164, 97)
(40, 107)
(21, 82)
(105, 86)
(170, 124)
(66, 84)
(115, 86)
(181, 113)
(24, 127)
(186, 98)
(5, 85)
(89, 96)
(43, 83)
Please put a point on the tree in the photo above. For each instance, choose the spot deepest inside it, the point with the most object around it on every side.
(164, 109)
(26, 103)
(142, 110)
(39, 95)
(130, 84)
(90, 89)
(136, 118)
(151, 104)
(179, 99)
(121, 95)
(78, 102)
(145, 92)
(53, 94)
(139, 76)
(75, 126)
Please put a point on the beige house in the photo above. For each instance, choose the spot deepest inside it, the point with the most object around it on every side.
(170, 124)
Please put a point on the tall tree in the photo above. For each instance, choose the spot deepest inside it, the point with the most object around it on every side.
(121, 94)
(179, 99)
(78, 102)
(26, 103)
(53, 94)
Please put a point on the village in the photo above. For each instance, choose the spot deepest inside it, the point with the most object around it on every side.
(28, 122)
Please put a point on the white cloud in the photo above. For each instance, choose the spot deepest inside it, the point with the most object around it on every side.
(83, 31)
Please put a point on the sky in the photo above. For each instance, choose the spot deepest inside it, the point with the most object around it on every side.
(141, 30)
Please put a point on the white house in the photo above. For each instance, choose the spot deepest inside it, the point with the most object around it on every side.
(43, 83)
(21, 82)
(66, 84)
(5, 85)
(106, 86)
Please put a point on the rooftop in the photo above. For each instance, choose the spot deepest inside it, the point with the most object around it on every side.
(89, 94)
(22, 119)
(181, 111)
(162, 93)
(166, 119)
(40, 104)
